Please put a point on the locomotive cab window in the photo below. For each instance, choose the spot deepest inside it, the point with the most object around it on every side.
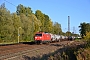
(38, 34)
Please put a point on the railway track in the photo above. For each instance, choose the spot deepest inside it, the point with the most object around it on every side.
(11, 47)
(14, 55)
(26, 50)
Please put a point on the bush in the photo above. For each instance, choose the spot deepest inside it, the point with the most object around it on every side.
(87, 37)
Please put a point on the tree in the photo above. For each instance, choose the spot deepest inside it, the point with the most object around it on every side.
(2, 5)
(68, 33)
(48, 25)
(16, 23)
(84, 27)
(22, 9)
(6, 24)
(36, 23)
(29, 22)
(87, 37)
(26, 27)
(40, 16)
(57, 28)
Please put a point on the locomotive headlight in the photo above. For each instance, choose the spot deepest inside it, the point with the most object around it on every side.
(35, 37)
(40, 37)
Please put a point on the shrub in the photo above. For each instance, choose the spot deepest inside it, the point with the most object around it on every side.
(87, 37)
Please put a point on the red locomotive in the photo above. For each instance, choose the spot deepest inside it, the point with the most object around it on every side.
(42, 37)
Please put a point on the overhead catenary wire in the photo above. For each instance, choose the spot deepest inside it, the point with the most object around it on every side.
(10, 3)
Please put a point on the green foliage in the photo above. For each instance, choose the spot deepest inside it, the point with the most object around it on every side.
(84, 27)
(16, 24)
(57, 28)
(87, 37)
(26, 22)
(48, 25)
(36, 23)
(22, 9)
(6, 24)
(40, 16)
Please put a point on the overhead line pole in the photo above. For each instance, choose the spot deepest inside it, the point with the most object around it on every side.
(68, 25)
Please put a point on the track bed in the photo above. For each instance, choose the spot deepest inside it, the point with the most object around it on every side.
(24, 51)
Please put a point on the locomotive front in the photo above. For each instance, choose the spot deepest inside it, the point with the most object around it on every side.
(38, 37)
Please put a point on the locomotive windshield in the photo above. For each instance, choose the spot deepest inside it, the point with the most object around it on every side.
(38, 34)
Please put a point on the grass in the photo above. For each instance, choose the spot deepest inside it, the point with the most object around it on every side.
(13, 42)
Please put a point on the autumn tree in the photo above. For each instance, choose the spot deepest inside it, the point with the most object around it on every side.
(28, 22)
(36, 23)
(87, 37)
(16, 23)
(6, 24)
(40, 16)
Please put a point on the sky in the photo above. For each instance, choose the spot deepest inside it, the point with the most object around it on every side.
(57, 10)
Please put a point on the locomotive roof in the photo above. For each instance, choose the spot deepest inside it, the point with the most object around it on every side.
(43, 32)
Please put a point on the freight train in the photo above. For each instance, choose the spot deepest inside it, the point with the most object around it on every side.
(44, 37)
